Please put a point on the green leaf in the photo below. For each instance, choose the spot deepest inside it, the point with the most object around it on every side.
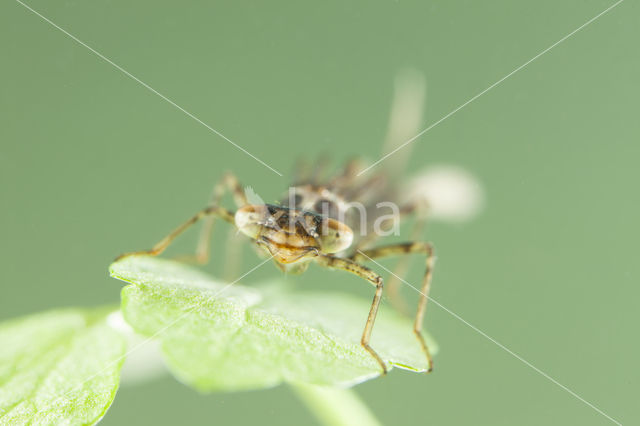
(231, 337)
(58, 367)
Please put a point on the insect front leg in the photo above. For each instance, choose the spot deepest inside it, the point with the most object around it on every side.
(406, 248)
(166, 241)
(228, 183)
(376, 280)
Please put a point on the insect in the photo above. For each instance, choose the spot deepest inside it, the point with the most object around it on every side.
(315, 223)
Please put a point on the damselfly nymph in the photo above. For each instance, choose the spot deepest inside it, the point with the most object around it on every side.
(336, 219)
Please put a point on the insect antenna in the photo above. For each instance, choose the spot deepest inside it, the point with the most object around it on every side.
(320, 168)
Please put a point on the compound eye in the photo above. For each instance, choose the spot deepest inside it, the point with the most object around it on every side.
(335, 236)
(249, 219)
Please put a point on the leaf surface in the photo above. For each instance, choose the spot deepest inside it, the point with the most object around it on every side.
(220, 337)
(59, 367)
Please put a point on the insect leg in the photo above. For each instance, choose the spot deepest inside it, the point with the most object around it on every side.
(301, 172)
(228, 183)
(233, 254)
(364, 189)
(376, 280)
(164, 243)
(406, 248)
(341, 183)
(402, 267)
(319, 169)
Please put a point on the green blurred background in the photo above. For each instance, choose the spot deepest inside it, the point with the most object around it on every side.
(93, 164)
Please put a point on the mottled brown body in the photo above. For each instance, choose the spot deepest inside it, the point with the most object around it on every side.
(345, 197)
(292, 235)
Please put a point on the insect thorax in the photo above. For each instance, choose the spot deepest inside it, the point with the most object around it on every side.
(316, 199)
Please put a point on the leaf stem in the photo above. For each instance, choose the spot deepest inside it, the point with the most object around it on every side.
(335, 406)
